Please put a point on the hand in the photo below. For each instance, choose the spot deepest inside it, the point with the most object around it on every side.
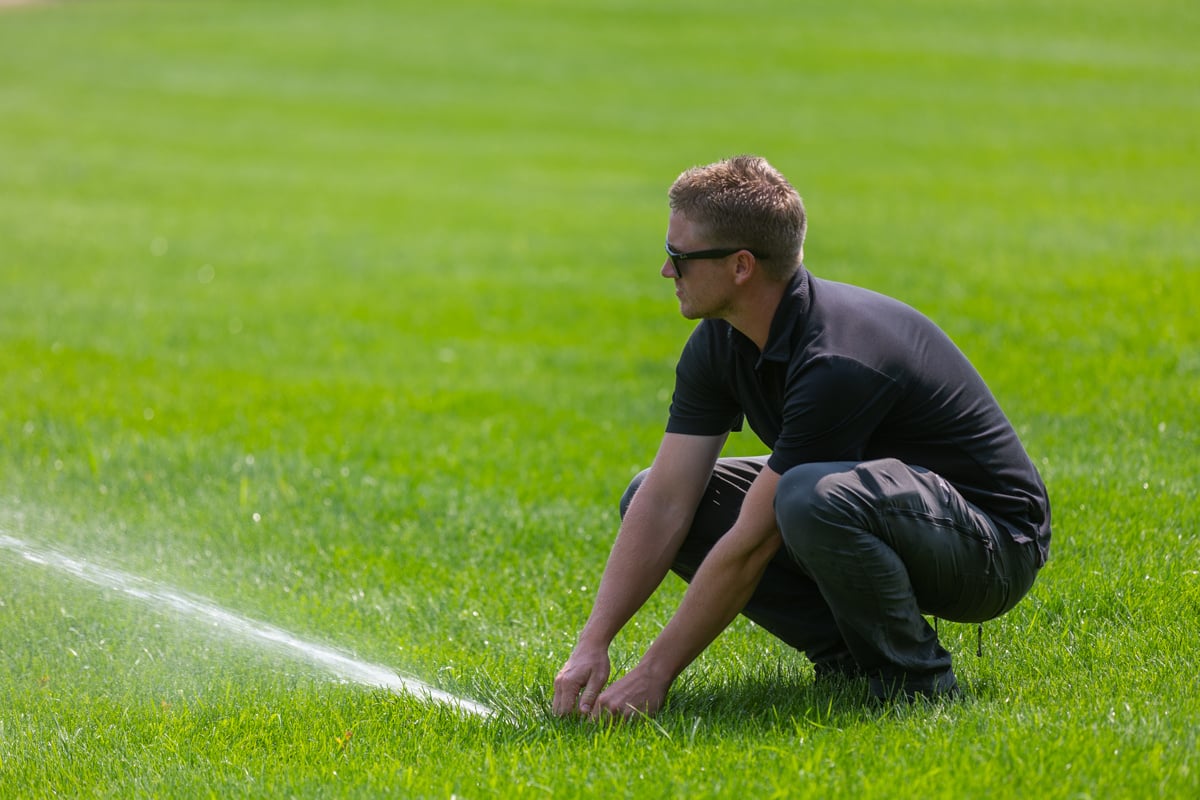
(580, 681)
(638, 692)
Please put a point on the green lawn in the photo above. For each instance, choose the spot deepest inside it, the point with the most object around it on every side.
(346, 317)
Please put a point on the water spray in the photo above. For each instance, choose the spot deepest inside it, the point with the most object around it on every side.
(332, 660)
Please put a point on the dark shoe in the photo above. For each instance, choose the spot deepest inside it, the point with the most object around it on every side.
(908, 690)
(844, 669)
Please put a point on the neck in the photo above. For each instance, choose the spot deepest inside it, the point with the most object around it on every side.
(753, 315)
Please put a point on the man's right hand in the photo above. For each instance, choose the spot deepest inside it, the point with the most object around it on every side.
(580, 681)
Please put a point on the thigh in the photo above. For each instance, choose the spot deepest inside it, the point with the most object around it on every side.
(718, 509)
(786, 602)
(960, 564)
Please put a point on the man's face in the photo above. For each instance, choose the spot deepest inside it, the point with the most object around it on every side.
(705, 285)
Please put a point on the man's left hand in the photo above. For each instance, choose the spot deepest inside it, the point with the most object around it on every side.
(639, 692)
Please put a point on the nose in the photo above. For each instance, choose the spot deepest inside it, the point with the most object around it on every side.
(668, 269)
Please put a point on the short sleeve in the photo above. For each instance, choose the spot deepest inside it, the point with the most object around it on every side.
(703, 403)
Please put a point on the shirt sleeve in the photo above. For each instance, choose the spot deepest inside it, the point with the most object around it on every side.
(832, 407)
(703, 403)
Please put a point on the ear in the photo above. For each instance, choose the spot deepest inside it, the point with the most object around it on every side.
(745, 268)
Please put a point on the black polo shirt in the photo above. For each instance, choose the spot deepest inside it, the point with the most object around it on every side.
(851, 375)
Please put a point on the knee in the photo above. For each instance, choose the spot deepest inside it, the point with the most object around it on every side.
(801, 493)
(627, 498)
(810, 506)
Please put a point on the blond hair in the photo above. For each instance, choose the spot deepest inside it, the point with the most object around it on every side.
(745, 202)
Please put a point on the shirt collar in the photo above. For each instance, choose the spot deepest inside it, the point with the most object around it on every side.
(790, 313)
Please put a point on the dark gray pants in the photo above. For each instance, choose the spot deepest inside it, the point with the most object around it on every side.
(869, 548)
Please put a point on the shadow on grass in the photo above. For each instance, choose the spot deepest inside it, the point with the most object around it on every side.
(768, 700)
(752, 701)
(761, 701)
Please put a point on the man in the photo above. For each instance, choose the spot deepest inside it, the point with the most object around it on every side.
(896, 488)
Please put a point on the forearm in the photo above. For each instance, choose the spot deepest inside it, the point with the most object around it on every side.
(652, 531)
(717, 594)
(719, 590)
(640, 558)
(723, 585)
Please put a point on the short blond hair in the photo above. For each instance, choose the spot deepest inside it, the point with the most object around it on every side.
(745, 202)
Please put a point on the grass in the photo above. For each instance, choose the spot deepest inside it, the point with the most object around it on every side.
(347, 317)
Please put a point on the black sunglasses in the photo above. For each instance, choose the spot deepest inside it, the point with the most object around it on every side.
(678, 257)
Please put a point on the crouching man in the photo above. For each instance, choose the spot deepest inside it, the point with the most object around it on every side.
(895, 487)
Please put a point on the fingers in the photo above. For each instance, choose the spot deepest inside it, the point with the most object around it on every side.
(609, 712)
(592, 690)
(576, 690)
(609, 708)
(566, 690)
(580, 682)
(587, 700)
(635, 695)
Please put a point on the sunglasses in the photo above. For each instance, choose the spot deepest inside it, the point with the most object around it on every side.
(678, 257)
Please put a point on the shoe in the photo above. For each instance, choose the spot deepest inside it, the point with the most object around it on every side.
(908, 690)
(843, 669)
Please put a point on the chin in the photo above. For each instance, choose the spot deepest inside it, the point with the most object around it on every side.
(693, 313)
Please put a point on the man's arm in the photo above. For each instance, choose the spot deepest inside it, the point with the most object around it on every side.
(655, 525)
(718, 592)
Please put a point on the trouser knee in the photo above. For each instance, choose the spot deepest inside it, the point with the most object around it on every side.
(811, 506)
